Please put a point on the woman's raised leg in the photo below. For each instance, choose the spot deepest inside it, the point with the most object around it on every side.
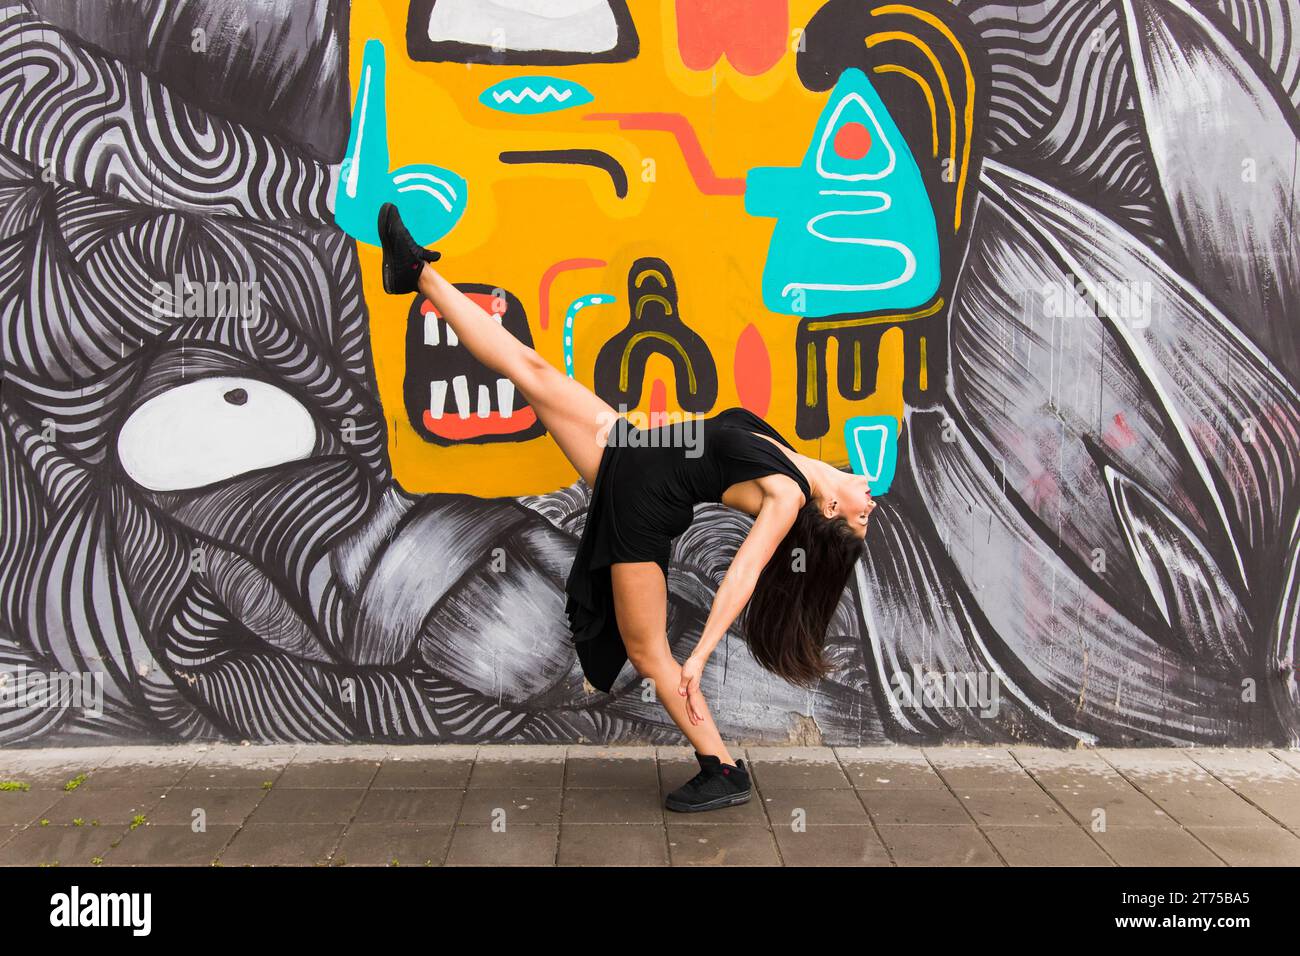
(641, 607)
(577, 418)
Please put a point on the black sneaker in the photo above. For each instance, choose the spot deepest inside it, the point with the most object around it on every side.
(717, 785)
(403, 257)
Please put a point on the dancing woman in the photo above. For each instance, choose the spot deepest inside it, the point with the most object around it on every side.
(787, 576)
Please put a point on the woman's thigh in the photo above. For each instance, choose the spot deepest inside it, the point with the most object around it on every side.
(641, 608)
(577, 418)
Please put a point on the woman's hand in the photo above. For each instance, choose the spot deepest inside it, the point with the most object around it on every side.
(689, 688)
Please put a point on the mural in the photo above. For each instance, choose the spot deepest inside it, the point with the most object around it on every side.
(1031, 265)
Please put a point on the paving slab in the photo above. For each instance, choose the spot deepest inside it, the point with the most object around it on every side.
(1251, 846)
(914, 808)
(1244, 766)
(431, 773)
(515, 845)
(327, 805)
(831, 845)
(1108, 806)
(721, 844)
(589, 805)
(1289, 757)
(1205, 803)
(1035, 759)
(627, 844)
(486, 806)
(1154, 846)
(524, 768)
(282, 844)
(797, 767)
(60, 844)
(226, 765)
(1168, 764)
(393, 844)
(941, 845)
(597, 770)
(314, 769)
(1091, 780)
(213, 806)
(888, 768)
(128, 768)
(421, 805)
(104, 806)
(21, 807)
(1046, 846)
(1279, 800)
(51, 768)
(801, 806)
(1023, 806)
(177, 844)
(977, 767)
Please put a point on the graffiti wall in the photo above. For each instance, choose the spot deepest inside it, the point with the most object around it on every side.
(1031, 266)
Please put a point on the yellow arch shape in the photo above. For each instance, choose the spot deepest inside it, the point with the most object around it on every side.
(640, 277)
(924, 84)
(874, 39)
(668, 306)
(664, 337)
(968, 114)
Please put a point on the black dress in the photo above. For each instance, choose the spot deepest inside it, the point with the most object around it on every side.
(647, 485)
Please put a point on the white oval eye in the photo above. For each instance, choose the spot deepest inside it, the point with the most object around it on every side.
(215, 428)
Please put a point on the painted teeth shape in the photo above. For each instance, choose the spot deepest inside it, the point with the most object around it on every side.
(451, 335)
(430, 329)
(437, 398)
(506, 397)
(460, 386)
(484, 401)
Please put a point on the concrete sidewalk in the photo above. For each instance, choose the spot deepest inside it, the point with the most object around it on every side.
(548, 805)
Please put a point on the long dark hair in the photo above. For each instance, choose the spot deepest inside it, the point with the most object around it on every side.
(797, 593)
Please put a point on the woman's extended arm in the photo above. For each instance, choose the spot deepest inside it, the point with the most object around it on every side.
(775, 516)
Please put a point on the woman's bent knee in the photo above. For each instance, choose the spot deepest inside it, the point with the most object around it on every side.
(650, 662)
